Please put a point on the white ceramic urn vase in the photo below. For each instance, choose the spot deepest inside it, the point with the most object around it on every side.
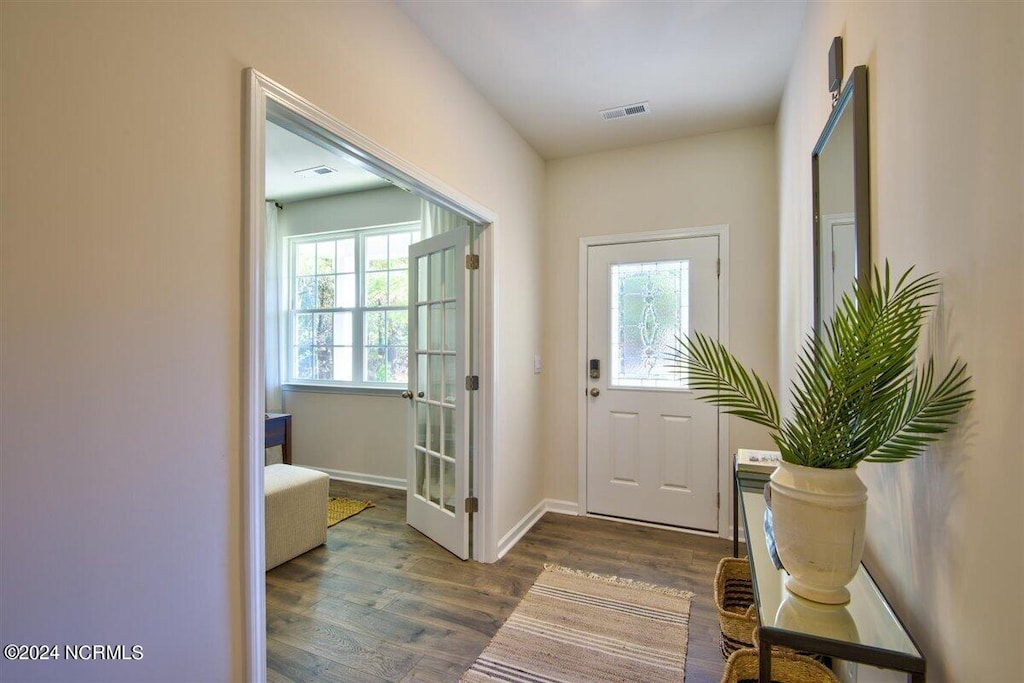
(818, 517)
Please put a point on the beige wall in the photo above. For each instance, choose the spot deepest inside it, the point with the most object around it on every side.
(350, 435)
(727, 178)
(346, 211)
(946, 82)
(121, 329)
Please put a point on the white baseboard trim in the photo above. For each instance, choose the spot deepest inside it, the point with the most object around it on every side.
(359, 478)
(562, 507)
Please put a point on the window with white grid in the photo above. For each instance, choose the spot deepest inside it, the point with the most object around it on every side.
(348, 306)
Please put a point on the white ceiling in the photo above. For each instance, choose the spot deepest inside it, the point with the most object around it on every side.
(288, 153)
(549, 67)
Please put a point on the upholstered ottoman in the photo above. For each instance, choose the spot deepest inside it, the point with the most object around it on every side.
(295, 500)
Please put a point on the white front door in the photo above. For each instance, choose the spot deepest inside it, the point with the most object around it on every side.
(438, 462)
(652, 448)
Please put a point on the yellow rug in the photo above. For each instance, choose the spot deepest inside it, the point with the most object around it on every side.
(343, 508)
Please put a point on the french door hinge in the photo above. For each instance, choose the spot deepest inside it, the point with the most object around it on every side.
(472, 382)
(718, 268)
(472, 262)
(472, 504)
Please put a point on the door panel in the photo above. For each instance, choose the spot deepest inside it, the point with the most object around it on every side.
(676, 434)
(652, 448)
(624, 446)
(438, 460)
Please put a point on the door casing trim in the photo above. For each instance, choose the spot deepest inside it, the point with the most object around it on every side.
(259, 92)
(724, 478)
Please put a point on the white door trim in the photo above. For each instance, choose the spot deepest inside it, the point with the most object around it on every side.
(261, 91)
(724, 478)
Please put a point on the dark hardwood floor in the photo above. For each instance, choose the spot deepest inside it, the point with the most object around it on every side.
(380, 602)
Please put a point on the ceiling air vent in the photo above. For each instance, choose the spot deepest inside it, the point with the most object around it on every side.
(315, 171)
(626, 110)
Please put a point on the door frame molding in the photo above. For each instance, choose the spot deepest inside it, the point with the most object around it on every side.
(724, 479)
(261, 92)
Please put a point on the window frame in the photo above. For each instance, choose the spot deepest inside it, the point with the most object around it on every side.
(358, 312)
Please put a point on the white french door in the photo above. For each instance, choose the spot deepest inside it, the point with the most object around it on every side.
(438, 462)
(652, 448)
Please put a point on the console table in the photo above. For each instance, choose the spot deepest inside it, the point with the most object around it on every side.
(865, 630)
(277, 431)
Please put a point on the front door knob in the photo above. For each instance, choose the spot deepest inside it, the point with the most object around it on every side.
(595, 392)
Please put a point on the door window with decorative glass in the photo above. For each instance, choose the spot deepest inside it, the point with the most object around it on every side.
(348, 319)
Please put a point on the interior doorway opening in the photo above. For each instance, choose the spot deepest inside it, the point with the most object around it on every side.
(345, 300)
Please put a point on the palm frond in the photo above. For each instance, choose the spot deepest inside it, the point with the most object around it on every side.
(711, 368)
(926, 414)
(857, 392)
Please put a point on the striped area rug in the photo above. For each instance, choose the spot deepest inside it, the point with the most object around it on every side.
(577, 627)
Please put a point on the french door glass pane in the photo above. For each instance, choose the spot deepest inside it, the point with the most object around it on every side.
(421, 374)
(421, 479)
(434, 329)
(448, 483)
(434, 444)
(422, 276)
(436, 276)
(421, 327)
(434, 487)
(649, 309)
(449, 432)
(421, 424)
(449, 281)
(435, 378)
(449, 379)
(449, 326)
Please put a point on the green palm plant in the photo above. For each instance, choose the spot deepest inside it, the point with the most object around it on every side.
(858, 393)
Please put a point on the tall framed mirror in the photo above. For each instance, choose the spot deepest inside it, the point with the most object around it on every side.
(842, 199)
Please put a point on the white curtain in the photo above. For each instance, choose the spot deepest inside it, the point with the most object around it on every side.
(273, 314)
(435, 220)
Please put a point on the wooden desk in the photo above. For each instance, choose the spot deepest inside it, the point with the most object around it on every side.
(277, 431)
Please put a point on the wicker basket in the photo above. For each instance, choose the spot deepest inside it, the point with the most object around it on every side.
(786, 668)
(734, 599)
